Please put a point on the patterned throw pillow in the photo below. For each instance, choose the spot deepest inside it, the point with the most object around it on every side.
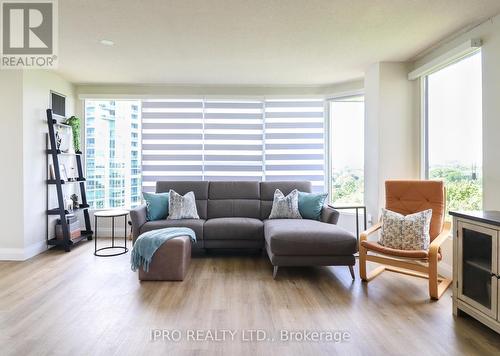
(285, 207)
(410, 232)
(181, 207)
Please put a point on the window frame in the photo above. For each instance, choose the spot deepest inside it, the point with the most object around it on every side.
(424, 112)
(328, 139)
(424, 116)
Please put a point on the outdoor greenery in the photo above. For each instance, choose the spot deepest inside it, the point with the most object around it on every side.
(463, 186)
(348, 186)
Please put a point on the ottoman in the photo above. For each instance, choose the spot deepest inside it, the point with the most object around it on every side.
(170, 262)
(294, 242)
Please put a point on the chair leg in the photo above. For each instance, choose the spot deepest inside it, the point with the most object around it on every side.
(275, 271)
(362, 263)
(436, 286)
(433, 279)
(351, 269)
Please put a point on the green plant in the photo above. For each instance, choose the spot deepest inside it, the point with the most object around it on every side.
(347, 186)
(462, 191)
(74, 122)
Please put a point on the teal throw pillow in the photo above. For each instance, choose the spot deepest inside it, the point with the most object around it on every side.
(156, 205)
(311, 204)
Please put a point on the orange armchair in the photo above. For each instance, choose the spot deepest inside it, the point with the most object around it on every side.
(408, 197)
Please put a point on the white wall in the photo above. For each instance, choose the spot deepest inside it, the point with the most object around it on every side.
(25, 96)
(11, 179)
(391, 131)
(37, 85)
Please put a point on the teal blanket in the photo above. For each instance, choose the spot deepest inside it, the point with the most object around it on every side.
(146, 245)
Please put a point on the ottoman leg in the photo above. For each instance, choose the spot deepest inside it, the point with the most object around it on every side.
(275, 271)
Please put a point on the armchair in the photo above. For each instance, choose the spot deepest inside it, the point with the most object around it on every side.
(408, 197)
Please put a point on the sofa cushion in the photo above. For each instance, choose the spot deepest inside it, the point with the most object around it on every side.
(156, 205)
(311, 205)
(308, 237)
(233, 199)
(267, 190)
(200, 190)
(233, 229)
(181, 206)
(195, 224)
(285, 207)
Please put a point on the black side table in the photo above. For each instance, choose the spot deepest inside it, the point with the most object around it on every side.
(110, 214)
(357, 208)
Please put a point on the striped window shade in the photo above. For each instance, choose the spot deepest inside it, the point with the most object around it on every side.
(294, 141)
(233, 140)
(172, 141)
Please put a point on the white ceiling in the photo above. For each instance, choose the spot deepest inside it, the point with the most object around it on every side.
(250, 42)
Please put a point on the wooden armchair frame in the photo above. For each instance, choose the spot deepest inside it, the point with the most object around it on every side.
(422, 268)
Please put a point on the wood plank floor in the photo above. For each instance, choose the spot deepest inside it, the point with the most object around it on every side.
(76, 304)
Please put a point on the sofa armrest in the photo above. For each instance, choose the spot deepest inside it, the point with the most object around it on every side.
(329, 215)
(138, 216)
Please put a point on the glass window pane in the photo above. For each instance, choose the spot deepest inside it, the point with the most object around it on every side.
(112, 153)
(455, 132)
(346, 149)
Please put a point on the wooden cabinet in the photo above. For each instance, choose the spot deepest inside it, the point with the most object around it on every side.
(476, 266)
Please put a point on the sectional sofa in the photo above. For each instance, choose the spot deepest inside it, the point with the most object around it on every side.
(234, 215)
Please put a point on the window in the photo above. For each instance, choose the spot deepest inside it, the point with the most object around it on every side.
(112, 153)
(232, 140)
(453, 126)
(294, 141)
(347, 150)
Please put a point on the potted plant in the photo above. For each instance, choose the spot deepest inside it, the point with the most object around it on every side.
(74, 122)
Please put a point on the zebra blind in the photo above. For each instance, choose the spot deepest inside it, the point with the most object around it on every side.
(172, 141)
(233, 140)
(294, 141)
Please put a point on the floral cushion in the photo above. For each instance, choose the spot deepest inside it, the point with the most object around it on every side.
(410, 232)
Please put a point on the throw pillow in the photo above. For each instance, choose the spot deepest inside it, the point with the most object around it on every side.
(311, 204)
(410, 232)
(285, 207)
(156, 205)
(181, 207)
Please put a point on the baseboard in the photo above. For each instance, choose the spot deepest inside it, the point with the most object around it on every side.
(11, 254)
(35, 249)
(22, 254)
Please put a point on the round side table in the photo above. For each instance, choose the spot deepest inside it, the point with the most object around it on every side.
(110, 214)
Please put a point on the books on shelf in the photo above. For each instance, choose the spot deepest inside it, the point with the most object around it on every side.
(73, 227)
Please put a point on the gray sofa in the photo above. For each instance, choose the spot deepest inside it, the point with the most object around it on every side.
(234, 215)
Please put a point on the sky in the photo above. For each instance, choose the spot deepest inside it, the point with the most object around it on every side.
(347, 134)
(455, 114)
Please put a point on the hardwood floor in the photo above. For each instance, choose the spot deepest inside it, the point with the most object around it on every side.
(75, 303)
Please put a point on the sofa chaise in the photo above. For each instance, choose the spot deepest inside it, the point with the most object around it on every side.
(234, 215)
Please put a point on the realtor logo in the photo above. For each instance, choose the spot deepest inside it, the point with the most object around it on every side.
(29, 34)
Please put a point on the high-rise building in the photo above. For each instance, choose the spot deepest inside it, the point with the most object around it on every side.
(112, 130)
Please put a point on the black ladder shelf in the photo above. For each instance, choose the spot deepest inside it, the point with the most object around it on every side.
(52, 150)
